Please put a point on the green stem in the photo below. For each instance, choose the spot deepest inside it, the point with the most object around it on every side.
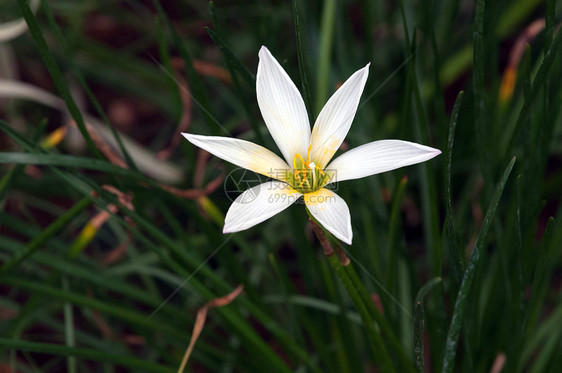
(375, 340)
(396, 347)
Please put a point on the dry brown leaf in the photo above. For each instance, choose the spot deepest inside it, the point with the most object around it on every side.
(117, 253)
(205, 68)
(195, 193)
(202, 159)
(105, 148)
(202, 317)
(509, 76)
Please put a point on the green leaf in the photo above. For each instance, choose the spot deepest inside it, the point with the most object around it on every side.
(200, 97)
(419, 319)
(231, 60)
(462, 297)
(234, 66)
(141, 365)
(376, 343)
(69, 329)
(421, 128)
(480, 119)
(541, 277)
(539, 81)
(302, 64)
(394, 227)
(549, 330)
(45, 234)
(452, 242)
(56, 74)
(325, 54)
(62, 41)
(62, 160)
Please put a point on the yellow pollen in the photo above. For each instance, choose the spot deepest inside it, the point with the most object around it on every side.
(304, 173)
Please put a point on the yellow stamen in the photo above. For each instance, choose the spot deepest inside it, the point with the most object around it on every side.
(304, 172)
(297, 170)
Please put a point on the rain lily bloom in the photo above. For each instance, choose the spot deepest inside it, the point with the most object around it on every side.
(306, 169)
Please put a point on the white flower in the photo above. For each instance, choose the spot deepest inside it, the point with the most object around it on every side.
(306, 169)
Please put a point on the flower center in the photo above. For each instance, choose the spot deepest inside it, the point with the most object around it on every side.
(306, 176)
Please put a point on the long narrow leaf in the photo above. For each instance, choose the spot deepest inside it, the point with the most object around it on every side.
(419, 321)
(231, 59)
(302, 65)
(86, 353)
(452, 243)
(56, 74)
(538, 83)
(462, 297)
(62, 160)
(62, 41)
(45, 234)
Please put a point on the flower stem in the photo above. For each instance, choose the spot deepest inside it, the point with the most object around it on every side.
(375, 340)
(390, 337)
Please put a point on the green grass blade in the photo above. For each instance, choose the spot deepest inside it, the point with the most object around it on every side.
(69, 330)
(45, 234)
(438, 97)
(199, 94)
(56, 74)
(63, 160)
(538, 83)
(516, 13)
(462, 297)
(452, 242)
(375, 340)
(141, 365)
(394, 228)
(232, 62)
(325, 55)
(390, 337)
(429, 193)
(549, 330)
(95, 103)
(119, 311)
(480, 118)
(302, 64)
(542, 272)
(419, 320)
(18, 170)
(76, 271)
(234, 66)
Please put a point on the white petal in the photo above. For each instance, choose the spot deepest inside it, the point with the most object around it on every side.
(242, 153)
(282, 107)
(379, 156)
(335, 119)
(258, 204)
(332, 212)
